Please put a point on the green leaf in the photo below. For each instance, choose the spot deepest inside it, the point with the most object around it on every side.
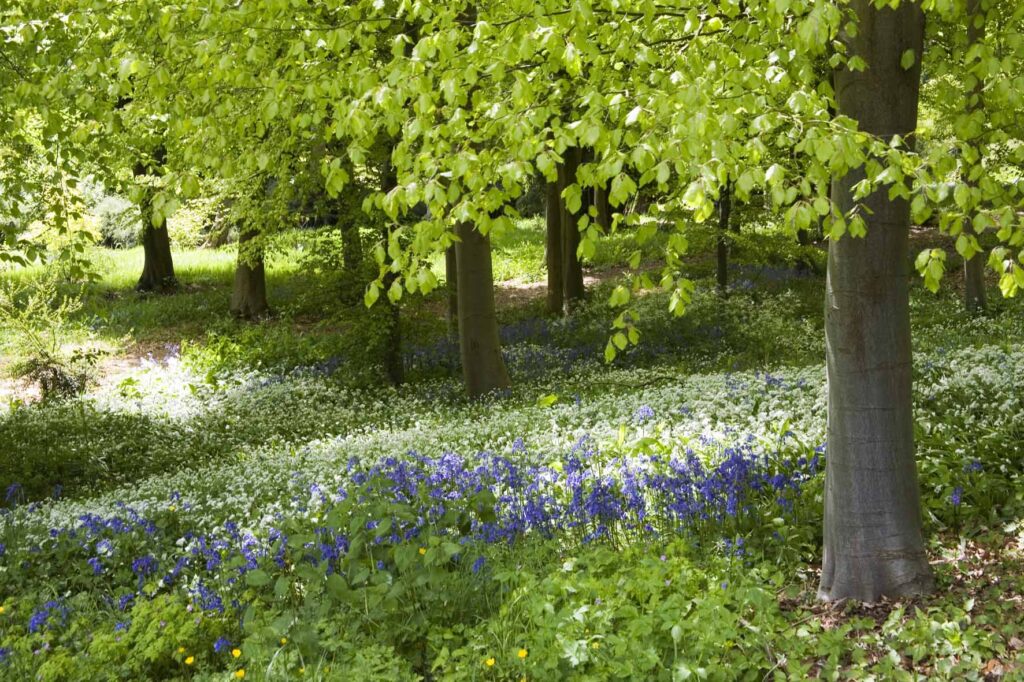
(257, 578)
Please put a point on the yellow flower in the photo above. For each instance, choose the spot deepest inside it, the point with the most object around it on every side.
(284, 640)
(302, 671)
(240, 673)
(173, 508)
(489, 662)
(236, 652)
(595, 645)
(190, 660)
(423, 550)
(2, 609)
(522, 653)
(181, 649)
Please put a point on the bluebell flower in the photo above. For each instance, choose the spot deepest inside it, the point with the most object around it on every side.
(478, 564)
(97, 565)
(12, 492)
(973, 467)
(53, 614)
(957, 496)
(122, 625)
(5, 655)
(222, 644)
(643, 414)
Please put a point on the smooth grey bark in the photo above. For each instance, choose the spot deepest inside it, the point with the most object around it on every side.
(974, 267)
(573, 290)
(483, 368)
(553, 251)
(249, 293)
(451, 276)
(724, 215)
(873, 545)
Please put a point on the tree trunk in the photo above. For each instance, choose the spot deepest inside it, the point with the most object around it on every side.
(351, 244)
(249, 295)
(394, 365)
(573, 290)
(451, 276)
(974, 267)
(873, 544)
(805, 263)
(604, 207)
(974, 284)
(724, 213)
(158, 265)
(553, 254)
(483, 368)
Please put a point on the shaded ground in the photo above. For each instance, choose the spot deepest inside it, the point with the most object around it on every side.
(984, 576)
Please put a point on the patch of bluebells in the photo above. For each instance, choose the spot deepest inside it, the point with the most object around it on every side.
(973, 467)
(51, 616)
(583, 497)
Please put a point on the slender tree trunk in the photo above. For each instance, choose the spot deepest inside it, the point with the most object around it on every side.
(451, 275)
(351, 244)
(553, 254)
(873, 544)
(724, 213)
(573, 290)
(394, 364)
(805, 263)
(249, 295)
(974, 267)
(483, 368)
(604, 207)
(158, 265)
(974, 284)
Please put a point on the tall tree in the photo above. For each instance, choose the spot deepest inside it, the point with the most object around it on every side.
(573, 290)
(974, 265)
(451, 276)
(553, 249)
(873, 543)
(249, 293)
(394, 364)
(483, 368)
(158, 264)
(724, 217)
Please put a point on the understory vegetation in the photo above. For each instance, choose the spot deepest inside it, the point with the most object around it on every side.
(240, 500)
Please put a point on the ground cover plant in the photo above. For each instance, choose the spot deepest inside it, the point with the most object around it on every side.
(605, 339)
(204, 518)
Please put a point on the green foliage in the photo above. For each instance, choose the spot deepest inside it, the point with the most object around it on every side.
(39, 314)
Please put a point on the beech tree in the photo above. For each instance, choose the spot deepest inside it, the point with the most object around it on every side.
(681, 98)
(158, 263)
(873, 540)
(249, 291)
(553, 213)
